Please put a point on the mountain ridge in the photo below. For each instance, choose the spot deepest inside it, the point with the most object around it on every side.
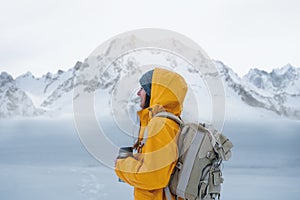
(277, 91)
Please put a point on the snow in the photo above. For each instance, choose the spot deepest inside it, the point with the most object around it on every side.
(45, 159)
(46, 182)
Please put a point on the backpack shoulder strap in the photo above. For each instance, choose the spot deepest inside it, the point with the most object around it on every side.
(166, 115)
(170, 116)
(167, 193)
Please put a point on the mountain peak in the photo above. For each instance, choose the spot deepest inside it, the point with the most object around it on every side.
(286, 69)
(60, 71)
(27, 74)
(278, 80)
(4, 76)
(255, 72)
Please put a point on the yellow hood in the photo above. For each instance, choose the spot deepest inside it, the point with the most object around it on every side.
(167, 91)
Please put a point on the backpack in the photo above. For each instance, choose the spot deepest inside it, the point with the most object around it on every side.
(198, 173)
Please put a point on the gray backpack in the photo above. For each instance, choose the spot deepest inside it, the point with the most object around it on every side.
(198, 174)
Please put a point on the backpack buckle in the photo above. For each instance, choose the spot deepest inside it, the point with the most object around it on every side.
(179, 165)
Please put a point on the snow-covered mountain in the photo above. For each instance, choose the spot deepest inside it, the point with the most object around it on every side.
(277, 92)
(13, 100)
(279, 89)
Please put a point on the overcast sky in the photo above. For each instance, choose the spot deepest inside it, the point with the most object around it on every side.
(41, 36)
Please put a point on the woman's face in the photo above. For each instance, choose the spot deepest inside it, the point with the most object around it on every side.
(142, 94)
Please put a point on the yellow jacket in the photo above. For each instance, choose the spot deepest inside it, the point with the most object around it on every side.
(150, 169)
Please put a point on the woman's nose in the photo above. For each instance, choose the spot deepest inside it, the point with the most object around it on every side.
(139, 92)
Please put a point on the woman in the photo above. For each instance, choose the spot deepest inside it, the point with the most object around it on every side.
(150, 169)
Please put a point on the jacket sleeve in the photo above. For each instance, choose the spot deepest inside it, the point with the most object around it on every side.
(152, 169)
